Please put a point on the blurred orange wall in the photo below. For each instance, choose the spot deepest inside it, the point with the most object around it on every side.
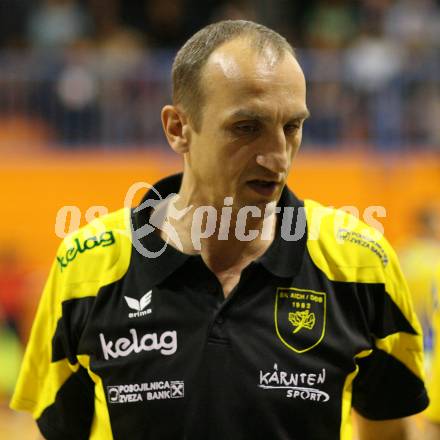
(35, 187)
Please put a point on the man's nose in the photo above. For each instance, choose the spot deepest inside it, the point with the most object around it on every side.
(274, 154)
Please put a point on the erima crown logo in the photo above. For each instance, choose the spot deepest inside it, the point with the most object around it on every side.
(139, 306)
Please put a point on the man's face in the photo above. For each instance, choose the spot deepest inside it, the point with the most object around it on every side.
(251, 125)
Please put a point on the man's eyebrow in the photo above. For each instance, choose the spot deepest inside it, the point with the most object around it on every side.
(249, 114)
(254, 115)
(304, 114)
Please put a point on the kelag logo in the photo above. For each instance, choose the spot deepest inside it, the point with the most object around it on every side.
(105, 239)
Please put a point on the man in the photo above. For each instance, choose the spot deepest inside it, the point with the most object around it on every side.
(433, 412)
(419, 259)
(255, 321)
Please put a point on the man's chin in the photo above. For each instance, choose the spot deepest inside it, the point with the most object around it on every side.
(258, 201)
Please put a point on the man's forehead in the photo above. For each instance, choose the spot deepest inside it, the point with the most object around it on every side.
(235, 61)
(237, 72)
(238, 60)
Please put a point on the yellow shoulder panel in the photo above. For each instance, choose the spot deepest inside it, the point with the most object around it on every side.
(98, 253)
(344, 247)
(348, 250)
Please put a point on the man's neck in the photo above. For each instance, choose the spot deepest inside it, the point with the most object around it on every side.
(222, 248)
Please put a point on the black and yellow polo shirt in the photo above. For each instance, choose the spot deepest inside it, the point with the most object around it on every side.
(129, 347)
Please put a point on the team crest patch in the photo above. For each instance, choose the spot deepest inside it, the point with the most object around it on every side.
(300, 317)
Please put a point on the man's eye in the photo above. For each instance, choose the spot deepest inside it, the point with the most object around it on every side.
(246, 128)
(292, 128)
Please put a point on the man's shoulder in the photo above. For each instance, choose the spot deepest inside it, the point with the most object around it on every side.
(345, 247)
(98, 252)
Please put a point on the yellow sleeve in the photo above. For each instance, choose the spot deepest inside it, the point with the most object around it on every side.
(55, 384)
(390, 380)
(40, 378)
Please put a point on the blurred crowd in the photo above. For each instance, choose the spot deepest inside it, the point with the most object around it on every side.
(94, 73)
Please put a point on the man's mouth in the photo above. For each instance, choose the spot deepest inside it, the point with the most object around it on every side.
(263, 187)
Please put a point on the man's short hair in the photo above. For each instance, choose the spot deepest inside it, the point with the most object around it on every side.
(192, 57)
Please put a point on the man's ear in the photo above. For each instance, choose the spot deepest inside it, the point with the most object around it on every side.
(176, 127)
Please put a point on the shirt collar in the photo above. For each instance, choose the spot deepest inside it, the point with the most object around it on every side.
(283, 258)
(159, 267)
